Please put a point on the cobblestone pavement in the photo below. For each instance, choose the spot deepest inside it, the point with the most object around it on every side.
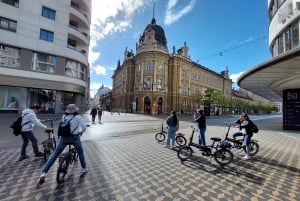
(136, 167)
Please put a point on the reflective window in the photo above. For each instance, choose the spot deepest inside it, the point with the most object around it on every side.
(9, 98)
(43, 97)
(44, 62)
(8, 24)
(46, 35)
(48, 13)
(9, 56)
(295, 35)
(75, 69)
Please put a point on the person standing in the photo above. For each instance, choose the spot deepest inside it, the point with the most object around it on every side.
(77, 127)
(29, 120)
(171, 121)
(93, 113)
(200, 118)
(247, 124)
(99, 108)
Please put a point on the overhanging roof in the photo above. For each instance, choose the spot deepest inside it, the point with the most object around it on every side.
(270, 78)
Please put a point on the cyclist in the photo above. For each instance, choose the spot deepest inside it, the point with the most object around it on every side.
(29, 119)
(77, 127)
(238, 124)
(247, 124)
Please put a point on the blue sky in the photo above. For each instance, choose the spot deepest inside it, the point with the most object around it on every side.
(219, 34)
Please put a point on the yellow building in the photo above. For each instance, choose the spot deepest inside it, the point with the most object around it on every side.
(154, 81)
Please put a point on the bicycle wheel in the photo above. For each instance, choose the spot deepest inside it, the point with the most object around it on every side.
(62, 170)
(160, 137)
(180, 140)
(223, 156)
(184, 153)
(254, 147)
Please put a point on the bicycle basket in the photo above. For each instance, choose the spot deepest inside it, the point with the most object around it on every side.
(224, 144)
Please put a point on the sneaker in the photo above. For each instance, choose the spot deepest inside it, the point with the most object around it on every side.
(39, 154)
(83, 170)
(42, 178)
(247, 157)
(22, 157)
(166, 146)
(173, 146)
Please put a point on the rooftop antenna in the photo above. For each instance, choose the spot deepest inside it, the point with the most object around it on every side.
(153, 7)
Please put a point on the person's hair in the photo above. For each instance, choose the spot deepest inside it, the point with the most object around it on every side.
(174, 117)
(35, 107)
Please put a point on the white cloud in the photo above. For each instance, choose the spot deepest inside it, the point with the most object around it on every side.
(235, 77)
(175, 11)
(98, 70)
(109, 17)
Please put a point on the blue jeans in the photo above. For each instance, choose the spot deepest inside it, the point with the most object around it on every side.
(26, 136)
(171, 135)
(247, 142)
(64, 141)
(202, 136)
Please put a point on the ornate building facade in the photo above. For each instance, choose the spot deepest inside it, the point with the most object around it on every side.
(155, 81)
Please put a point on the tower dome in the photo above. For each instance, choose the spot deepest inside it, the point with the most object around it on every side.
(153, 36)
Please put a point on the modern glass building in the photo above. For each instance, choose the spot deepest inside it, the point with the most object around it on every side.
(278, 79)
(44, 54)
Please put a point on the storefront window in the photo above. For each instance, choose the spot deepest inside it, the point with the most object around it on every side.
(9, 98)
(43, 97)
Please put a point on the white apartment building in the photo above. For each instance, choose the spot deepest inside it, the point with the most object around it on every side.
(44, 54)
(278, 79)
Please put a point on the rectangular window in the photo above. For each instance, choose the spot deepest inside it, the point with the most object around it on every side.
(11, 2)
(46, 35)
(148, 67)
(280, 45)
(44, 62)
(9, 97)
(9, 56)
(46, 98)
(295, 35)
(287, 40)
(8, 24)
(75, 69)
(48, 13)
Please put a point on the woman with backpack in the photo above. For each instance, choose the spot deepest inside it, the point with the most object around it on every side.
(77, 128)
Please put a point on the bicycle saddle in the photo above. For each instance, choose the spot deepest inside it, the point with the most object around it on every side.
(217, 139)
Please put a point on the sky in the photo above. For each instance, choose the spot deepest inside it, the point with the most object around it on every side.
(220, 34)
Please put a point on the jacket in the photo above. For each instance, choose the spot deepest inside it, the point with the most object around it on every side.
(32, 118)
(201, 120)
(77, 124)
(170, 121)
(248, 127)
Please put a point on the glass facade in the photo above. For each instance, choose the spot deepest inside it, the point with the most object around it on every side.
(9, 98)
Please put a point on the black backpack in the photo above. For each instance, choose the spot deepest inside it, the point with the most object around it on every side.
(254, 128)
(17, 125)
(64, 128)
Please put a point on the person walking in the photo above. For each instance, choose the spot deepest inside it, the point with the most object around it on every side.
(99, 108)
(29, 120)
(77, 127)
(200, 118)
(93, 113)
(171, 121)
